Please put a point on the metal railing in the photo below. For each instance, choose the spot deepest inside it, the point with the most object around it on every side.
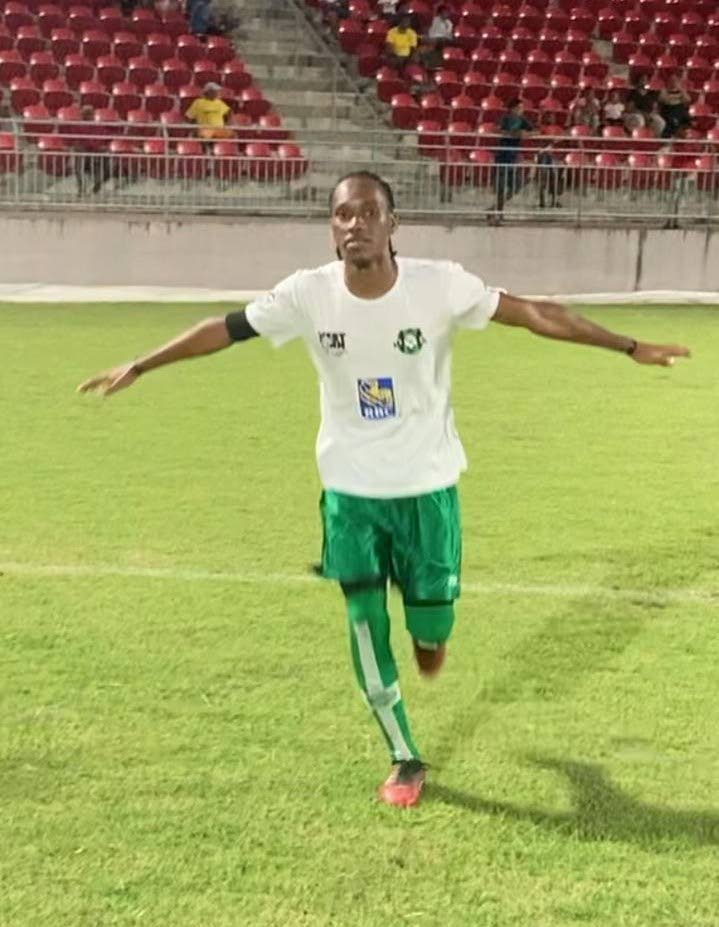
(166, 169)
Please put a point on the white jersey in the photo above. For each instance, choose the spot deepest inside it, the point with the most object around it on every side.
(384, 365)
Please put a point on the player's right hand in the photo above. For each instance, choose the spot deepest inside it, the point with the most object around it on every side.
(110, 381)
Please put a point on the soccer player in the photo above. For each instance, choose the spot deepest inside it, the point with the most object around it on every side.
(379, 330)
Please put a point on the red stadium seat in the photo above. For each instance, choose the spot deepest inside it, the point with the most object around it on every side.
(126, 45)
(173, 23)
(54, 156)
(481, 170)
(157, 99)
(187, 96)
(665, 66)
(664, 25)
(466, 37)
(582, 20)
(253, 103)
(505, 86)
(530, 17)
(534, 88)
(416, 74)
(454, 59)
(461, 136)
(593, 65)
(106, 127)
(703, 115)
(511, 62)
(29, 39)
(159, 48)
(488, 135)
(143, 22)
(37, 120)
(711, 94)
(155, 163)
(642, 171)
(639, 65)
(63, 42)
(175, 74)
(226, 162)
(190, 162)
(405, 111)
(563, 88)
(609, 173)
(434, 110)
(94, 44)
(484, 61)
(553, 109)
(141, 71)
(81, 18)
(503, 17)
(7, 40)
(56, 94)
(448, 84)
(140, 124)
(644, 139)
(291, 162)
(623, 45)
(11, 66)
(567, 64)
(463, 109)
(681, 47)
(23, 93)
(17, 15)
(476, 86)
(123, 158)
(523, 40)
(698, 70)
(94, 93)
(360, 9)
(540, 63)
(707, 176)
(125, 96)
(368, 60)
(50, 17)
(608, 22)
(707, 46)
(190, 49)
(243, 127)
(219, 50)
(43, 67)
(110, 70)
(650, 44)
(556, 19)
(617, 82)
(712, 26)
(615, 139)
(205, 71)
(350, 34)
(235, 76)
(635, 23)
(68, 117)
(577, 42)
(389, 83)
(430, 138)
(550, 41)
(173, 124)
(111, 19)
(493, 38)
(493, 108)
(473, 14)
(10, 160)
(271, 130)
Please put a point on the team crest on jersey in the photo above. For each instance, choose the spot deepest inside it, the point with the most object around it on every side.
(332, 342)
(410, 340)
(376, 398)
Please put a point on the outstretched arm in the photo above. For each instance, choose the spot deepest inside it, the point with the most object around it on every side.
(207, 337)
(554, 321)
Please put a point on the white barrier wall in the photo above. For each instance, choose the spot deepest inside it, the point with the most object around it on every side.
(251, 253)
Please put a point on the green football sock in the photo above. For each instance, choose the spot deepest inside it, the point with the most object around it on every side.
(376, 668)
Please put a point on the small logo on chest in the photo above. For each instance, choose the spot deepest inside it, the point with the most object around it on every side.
(410, 340)
(332, 343)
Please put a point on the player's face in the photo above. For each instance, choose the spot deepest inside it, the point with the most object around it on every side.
(361, 222)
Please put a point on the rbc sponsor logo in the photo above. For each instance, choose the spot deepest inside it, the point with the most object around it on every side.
(376, 398)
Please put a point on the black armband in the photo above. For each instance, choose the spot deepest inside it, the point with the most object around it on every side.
(238, 328)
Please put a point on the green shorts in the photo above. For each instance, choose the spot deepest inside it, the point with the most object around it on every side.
(415, 541)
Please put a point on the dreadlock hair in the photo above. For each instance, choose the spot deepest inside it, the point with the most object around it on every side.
(384, 187)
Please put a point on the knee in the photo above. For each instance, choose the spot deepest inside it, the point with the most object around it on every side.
(430, 622)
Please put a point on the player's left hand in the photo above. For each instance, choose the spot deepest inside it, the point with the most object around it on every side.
(662, 354)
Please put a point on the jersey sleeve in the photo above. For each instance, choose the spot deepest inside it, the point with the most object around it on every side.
(277, 315)
(472, 303)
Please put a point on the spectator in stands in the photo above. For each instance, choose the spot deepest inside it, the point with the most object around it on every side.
(388, 9)
(402, 42)
(632, 119)
(200, 18)
(674, 107)
(613, 110)
(513, 127)
(334, 10)
(586, 111)
(209, 112)
(550, 177)
(441, 30)
(7, 123)
(90, 163)
(642, 97)
(655, 120)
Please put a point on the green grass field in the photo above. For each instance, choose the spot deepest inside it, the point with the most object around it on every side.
(189, 749)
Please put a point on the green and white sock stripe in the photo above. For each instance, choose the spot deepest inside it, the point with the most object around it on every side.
(384, 700)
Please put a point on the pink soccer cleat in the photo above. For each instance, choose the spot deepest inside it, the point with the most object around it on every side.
(404, 785)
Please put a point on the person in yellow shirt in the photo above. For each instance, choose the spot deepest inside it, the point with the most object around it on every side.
(210, 113)
(402, 42)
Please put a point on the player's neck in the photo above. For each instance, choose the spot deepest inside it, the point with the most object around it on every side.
(373, 281)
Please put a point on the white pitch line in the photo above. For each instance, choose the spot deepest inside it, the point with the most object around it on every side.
(659, 595)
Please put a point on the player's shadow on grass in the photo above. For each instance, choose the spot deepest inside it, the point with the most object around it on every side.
(600, 811)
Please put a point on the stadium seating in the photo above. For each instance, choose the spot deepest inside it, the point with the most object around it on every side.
(138, 74)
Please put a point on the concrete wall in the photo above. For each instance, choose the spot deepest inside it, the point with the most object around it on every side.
(249, 253)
